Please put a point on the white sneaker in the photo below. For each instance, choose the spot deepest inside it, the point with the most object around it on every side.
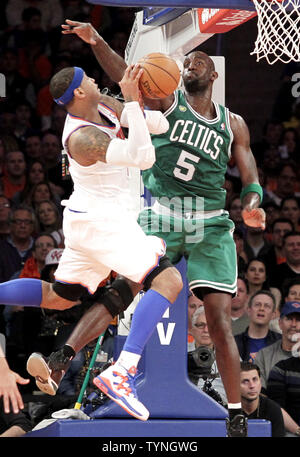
(118, 384)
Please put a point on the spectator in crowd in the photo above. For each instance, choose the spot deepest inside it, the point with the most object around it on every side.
(261, 310)
(231, 192)
(16, 84)
(51, 155)
(283, 386)
(255, 405)
(193, 304)
(281, 349)
(290, 209)
(242, 259)
(5, 208)
(14, 178)
(45, 107)
(255, 244)
(290, 268)
(34, 64)
(294, 120)
(23, 325)
(272, 213)
(25, 122)
(291, 289)
(36, 262)
(203, 339)
(275, 255)
(31, 20)
(35, 174)
(48, 216)
(33, 146)
(235, 212)
(17, 247)
(286, 182)
(32, 317)
(58, 116)
(13, 424)
(51, 12)
(239, 316)
(40, 192)
(272, 131)
(271, 165)
(289, 144)
(256, 276)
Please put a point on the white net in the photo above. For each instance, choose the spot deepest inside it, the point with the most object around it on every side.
(278, 24)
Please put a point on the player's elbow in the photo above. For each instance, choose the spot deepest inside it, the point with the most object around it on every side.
(145, 157)
(162, 125)
(157, 123)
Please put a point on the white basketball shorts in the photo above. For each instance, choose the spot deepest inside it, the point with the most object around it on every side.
(99, 242)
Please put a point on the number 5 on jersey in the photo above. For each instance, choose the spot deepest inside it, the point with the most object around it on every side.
(187, 170)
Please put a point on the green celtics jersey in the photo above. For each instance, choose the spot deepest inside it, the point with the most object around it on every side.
(191, 157)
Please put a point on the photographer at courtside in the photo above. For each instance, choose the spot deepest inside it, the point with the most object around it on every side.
(202, 366)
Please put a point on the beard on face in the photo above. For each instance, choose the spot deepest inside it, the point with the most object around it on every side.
(194, 86)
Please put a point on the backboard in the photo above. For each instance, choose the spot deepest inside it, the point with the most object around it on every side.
(229, 4)
(278, 21)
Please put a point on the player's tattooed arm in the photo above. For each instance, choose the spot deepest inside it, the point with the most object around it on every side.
(113, 103)
(87, 145)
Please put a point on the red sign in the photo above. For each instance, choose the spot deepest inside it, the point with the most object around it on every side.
(214, 20)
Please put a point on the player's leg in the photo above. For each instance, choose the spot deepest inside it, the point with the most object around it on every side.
(218, 314)
(118, 381)
(55, 296)
(212, 277)
(30, 292)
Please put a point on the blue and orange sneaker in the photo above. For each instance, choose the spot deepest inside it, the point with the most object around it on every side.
(118, 384)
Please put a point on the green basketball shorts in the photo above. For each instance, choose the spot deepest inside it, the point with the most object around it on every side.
(207, 245)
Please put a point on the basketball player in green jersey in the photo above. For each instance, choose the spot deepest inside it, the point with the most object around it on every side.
(190, 167)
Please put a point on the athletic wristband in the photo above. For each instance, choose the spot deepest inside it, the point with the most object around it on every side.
(254, 187)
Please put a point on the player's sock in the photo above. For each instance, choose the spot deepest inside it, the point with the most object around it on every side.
(128, 359)
(21, 292)
(145, 318)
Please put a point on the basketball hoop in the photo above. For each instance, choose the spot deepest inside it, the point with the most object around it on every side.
(278, 23)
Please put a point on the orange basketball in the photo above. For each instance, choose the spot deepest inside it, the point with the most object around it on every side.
(161, 75)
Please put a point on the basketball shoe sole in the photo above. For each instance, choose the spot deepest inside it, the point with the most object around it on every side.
(38, 368)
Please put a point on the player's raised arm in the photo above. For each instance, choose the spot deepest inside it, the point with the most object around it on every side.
(111, 62)
(251, 195)
(88, 144)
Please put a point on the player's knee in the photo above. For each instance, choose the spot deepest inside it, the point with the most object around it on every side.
(116, 297)
(51, 300)
(168, 283)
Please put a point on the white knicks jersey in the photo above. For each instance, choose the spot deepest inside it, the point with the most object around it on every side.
(99, 181)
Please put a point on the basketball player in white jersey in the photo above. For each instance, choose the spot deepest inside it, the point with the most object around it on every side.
(101, 234)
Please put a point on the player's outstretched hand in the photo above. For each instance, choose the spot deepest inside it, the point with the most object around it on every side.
(129, 84)
(10, 392)
(84, 30)
(254, 217)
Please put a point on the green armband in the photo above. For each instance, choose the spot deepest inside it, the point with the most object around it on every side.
(252, 188)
